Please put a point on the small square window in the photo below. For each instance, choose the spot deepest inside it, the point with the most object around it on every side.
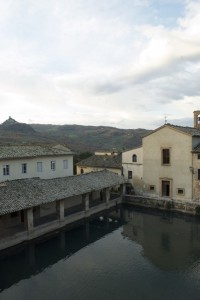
(152, 188)
(180, 191)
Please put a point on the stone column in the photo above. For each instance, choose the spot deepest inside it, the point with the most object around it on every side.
(60, 208)
(29, 219)
(106, 195)
(122, 189)
(86, 202)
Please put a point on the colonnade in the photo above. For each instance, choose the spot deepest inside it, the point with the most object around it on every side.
(60, 207)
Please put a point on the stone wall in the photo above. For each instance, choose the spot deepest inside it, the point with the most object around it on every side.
(196, 181)
(190, 207)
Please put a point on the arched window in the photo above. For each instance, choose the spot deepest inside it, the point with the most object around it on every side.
(198, 119)
(134, 158)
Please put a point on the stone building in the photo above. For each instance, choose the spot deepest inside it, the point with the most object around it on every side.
(111, 161)
(133, 170)
(169, 163)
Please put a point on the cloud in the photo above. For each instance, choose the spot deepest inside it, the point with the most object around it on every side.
(98, 62)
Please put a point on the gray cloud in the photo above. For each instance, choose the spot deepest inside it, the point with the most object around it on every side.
(97, 62)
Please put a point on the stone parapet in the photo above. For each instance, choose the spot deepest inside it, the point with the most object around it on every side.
(190, 207)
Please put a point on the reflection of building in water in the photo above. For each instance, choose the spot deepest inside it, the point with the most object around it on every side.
(24, 261)
(168, 241)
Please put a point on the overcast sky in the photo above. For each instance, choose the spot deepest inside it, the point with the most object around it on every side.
(121, 63)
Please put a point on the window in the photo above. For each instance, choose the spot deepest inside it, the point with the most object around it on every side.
(129, 174)
(165, 156)
(6, 170)
(65, 164)
(198, 174)
(152, 188)
(198, 156)
(82, 171)
(39, 166)
(180, 191)
(53, 165)
(134, 158)
(24, 168)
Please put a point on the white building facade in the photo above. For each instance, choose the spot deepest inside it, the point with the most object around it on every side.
(132, 164)
(43, 161)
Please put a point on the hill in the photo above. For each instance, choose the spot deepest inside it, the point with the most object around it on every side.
(79, 138)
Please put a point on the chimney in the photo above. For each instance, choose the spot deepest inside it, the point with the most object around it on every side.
(196, 119)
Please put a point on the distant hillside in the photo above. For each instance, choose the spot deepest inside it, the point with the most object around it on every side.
(77, 137)
(11, 125)
(90, 138)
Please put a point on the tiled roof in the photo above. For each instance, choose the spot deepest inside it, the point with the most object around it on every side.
(197, 148)
(28, 151)
(102, 161)
(25, 193)
(190, 130)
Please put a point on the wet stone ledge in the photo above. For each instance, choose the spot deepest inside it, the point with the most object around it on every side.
(190, 207)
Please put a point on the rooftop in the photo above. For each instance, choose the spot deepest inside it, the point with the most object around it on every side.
(197, 148)
(102, 161)
(185, 129)
(25, 193)
(30, 151)
(190, 130)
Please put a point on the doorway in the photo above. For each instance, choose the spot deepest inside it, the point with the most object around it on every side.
(165, 188)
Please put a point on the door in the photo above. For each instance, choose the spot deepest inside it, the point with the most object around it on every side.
(165, 188)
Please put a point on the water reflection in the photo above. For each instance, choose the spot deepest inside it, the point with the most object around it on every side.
(169, 241)
(22, 262)
(109, 257)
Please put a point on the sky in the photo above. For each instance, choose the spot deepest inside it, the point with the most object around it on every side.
(120, 63)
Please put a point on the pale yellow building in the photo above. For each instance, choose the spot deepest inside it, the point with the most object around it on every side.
(170, 163)
(167, 162)
(111, 161)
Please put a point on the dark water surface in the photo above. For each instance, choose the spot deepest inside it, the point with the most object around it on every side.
(126, 254)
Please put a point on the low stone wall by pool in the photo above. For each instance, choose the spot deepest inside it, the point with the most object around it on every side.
(190, 207)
